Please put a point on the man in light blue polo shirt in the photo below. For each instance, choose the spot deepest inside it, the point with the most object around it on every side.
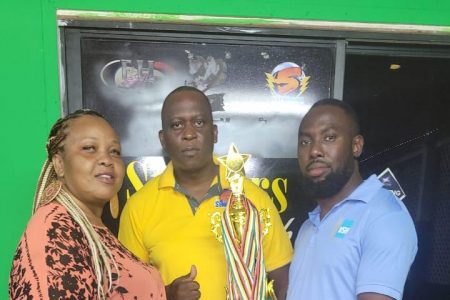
(360, 241)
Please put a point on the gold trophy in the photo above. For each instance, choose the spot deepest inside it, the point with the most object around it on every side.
(241, 229)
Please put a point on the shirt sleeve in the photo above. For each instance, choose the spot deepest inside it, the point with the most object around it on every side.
(276, 244)
(131, 228)
(28, 273)
(52, 260)
(388, 249)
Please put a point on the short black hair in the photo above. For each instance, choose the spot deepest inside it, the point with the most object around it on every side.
(346, 107)
(184, 88)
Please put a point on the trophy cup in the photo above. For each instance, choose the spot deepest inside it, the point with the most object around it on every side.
(241, 228)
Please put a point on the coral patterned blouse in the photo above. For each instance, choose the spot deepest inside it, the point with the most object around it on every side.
(53, 261)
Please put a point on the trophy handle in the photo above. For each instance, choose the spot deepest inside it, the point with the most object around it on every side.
(216, 226)
(265, 220)
(270, 292)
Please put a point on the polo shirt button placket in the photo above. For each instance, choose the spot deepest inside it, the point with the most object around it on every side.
(314, 236)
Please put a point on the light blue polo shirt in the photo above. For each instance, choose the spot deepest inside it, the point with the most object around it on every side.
(366, 243)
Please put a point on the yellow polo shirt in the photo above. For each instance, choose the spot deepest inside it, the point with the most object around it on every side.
(158, 225)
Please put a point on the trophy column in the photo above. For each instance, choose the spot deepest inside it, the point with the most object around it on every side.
(241, 229)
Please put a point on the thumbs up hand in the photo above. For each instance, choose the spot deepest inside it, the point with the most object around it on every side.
(193, 273)
(184, 287)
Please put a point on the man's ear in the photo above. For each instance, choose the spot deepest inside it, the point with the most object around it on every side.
(161, 138)
(358, 145)
(58, 164)
(215, 131)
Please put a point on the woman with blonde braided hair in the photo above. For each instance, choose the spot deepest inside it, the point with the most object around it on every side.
(66, 252)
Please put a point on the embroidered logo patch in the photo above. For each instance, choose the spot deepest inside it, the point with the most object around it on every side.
(344, 228)
(223, 199)
(220, 203)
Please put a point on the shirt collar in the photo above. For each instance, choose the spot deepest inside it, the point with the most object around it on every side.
(367, 187)
(167, 177)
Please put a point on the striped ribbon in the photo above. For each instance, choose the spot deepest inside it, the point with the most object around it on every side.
(245, 261)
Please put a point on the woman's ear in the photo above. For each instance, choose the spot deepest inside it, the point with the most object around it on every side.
(58, 164)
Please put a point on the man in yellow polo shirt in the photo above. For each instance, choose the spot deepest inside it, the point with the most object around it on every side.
(168, 222)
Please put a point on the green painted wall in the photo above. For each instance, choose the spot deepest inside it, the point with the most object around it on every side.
(29, 92)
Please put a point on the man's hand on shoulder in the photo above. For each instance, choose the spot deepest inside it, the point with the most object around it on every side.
(184, 287)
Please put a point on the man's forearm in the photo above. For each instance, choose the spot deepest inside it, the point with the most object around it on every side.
(280, 277)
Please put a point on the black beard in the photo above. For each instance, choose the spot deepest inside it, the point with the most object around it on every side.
(330, 186)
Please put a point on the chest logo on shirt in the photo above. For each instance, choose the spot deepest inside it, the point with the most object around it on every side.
(223, 199)
(220, 203)
(344, 228)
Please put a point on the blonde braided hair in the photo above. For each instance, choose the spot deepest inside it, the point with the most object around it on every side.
(101, 255)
